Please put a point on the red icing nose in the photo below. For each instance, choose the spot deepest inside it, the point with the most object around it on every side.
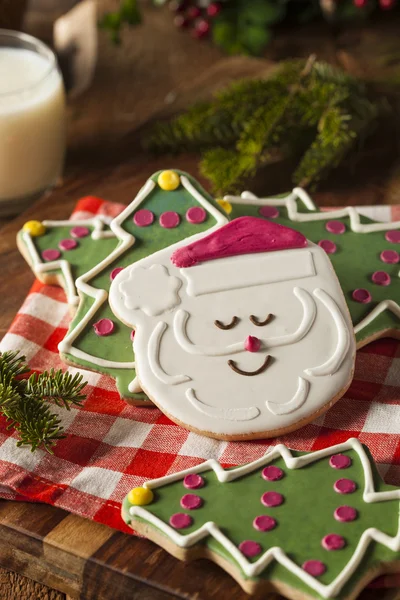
(252, 344)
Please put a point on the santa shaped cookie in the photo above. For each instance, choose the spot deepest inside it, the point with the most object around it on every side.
(241, 333)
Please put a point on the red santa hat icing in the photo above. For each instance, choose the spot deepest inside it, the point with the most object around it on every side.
(245, 235)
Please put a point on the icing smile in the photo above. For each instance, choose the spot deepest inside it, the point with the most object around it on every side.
(258, 371)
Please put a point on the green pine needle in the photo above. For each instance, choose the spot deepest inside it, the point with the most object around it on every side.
(307, 110)
(26, 403)
(61, 388)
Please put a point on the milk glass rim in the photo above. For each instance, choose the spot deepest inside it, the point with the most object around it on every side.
(34, 45)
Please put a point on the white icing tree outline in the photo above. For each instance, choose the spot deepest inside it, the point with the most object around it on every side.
(276, 553)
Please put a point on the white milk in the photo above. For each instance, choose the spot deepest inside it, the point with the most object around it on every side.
(32, 123)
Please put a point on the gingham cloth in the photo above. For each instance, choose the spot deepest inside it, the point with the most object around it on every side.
(112, 447)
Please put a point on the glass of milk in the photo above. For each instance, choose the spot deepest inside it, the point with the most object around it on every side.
(32, 120)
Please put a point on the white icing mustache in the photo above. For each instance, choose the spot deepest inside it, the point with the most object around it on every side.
(308, 318)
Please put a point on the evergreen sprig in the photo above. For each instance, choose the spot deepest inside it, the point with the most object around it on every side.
(306, 109)
(26, 403)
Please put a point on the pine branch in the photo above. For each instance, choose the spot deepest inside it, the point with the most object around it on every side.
(61, 388)
(306, 110)
(25, 403)
(11, 366)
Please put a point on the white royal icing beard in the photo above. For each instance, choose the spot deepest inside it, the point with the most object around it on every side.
(182, 356)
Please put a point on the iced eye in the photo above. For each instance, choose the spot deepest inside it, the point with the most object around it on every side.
(230, 325)
(259, 323)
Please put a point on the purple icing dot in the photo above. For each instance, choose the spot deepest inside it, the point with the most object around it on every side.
(272, 473)
(314, 567)
(269, 212)
(340, 461)
(328, 246)
(103, 327)
(344, 486)
(391, 257)
(51, 254)
(132, 335)
(250, 548)
(362, 295)
(68, 244)
(115, 272)
(264, 523)
(169, 219)
(332, 541)
(196, 215)
(381, 278)
(272, 499)
(180, 521)
(143, 217)
(191, 501)
(79, 231)
(345, 514)
(335, 227)
(193, 481)
(393, 236)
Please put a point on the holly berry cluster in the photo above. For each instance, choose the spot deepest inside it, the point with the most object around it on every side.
(195, 15)
(242, 26)
(383, 4)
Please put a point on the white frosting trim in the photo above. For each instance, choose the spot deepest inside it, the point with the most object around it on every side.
(276, 553)
(296, 402)
(228, 414)
(390, 305)
(289, 202)
(134, 386)
(333, 363)
(100, 296)
(153, 355)
(38, 266)
(309, 313)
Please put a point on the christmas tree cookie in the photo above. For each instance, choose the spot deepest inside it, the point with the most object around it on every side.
(311, 526)
(365, 255)
(85, 256)
(242, 333)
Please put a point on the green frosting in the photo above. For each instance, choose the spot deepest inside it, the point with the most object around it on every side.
(304, 518)
(356, 259)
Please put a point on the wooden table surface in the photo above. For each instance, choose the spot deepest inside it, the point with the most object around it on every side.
(77, 557)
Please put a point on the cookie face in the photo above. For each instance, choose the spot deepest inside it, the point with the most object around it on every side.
(243, 333)
(316, 525)
(363, 252)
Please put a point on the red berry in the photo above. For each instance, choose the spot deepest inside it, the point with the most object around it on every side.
(387, 4)
(193, 12)
(203, 26)
(180, 21)
(201, 29)
(214, 9)
(360, 3)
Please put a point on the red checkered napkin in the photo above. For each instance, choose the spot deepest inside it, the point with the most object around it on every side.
(112, 447)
